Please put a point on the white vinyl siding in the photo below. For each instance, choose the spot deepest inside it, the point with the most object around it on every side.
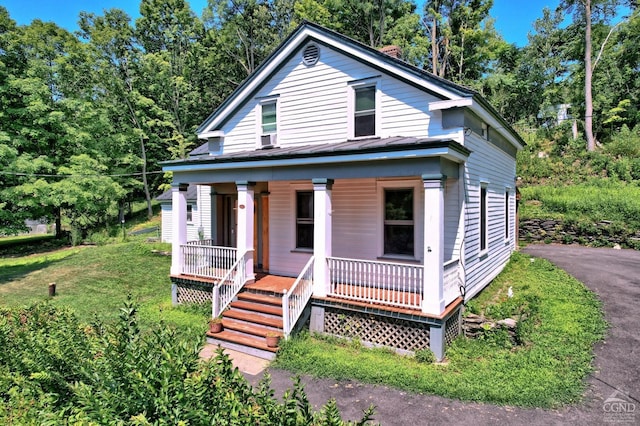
(453, 219)
(200, 216)
(487, 164)
(204, 211)
(283, 258)
(167, 222)
(313, 104)
(357, 221)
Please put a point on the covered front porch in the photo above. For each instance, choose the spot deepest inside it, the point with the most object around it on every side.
(383, 234)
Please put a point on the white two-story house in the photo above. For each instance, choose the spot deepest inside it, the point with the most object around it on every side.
(378, 195)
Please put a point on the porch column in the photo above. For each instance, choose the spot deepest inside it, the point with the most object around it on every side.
(433, 299)
(245, 223)
(321, 234)
(178, 225)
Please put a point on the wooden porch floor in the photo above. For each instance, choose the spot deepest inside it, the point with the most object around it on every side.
(271, 283)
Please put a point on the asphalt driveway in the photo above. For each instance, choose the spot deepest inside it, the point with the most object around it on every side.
(614, 275)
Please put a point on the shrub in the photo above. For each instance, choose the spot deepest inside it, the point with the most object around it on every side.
(54, 370)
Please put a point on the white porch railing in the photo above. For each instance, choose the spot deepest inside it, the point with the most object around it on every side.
(206, 261)
(295, 300)
(451, 281)
(395, 284)
(225, 290)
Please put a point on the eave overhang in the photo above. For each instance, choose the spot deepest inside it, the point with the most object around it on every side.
(326, 154)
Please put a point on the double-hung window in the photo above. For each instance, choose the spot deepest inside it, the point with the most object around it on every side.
(304, 219)
(506, 215)
(398, 222)
(269, 118)
(483, 217)
(364, 120)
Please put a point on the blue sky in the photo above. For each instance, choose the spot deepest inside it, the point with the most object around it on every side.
(513, 18)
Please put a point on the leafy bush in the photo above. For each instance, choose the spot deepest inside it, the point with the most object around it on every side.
(625, 143)
(54, 370)
(425, 356)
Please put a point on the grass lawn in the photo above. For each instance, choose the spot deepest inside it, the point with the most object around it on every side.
(96, 280)
(546, 369)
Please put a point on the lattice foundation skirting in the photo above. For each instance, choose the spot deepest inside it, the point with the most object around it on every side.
(452, 328)
(392, 332)
(193, 292)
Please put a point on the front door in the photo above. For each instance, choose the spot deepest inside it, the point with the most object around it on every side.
(261, 233)
(228, 223)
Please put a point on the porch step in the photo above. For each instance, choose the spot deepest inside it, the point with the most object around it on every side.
(256, 311)
(247, 328)
(253, 345)
(255, 318)
(258, 307)
(260, 298)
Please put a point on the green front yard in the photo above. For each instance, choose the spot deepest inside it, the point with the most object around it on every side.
(547, 367)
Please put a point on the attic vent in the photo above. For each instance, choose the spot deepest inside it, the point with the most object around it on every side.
(310, 55)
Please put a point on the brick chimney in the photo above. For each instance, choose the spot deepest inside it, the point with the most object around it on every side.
(393, 51)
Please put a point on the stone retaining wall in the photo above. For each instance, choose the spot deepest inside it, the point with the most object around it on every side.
(473, 326)
(603, 233)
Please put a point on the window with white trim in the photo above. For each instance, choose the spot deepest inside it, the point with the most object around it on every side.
(483, 217)
(189, 212)
(399, 223)
(363, 107)
(364, 117)
(269, 116)
(304, 219)
(506, 214)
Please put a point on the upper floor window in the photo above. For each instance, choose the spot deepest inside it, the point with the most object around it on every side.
(365, 111)
(269, 118)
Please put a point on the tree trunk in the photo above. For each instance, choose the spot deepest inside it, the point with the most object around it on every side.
(434, 47)
(58, 222)
(147, 194)
(588, 74)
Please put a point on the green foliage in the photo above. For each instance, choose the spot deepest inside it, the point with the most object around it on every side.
(425, 356)
(53, 369)
(594, 202)
(625, 143)
(548, 368)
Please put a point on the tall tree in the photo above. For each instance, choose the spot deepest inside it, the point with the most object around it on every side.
(462, 37)
(118, 62)
(171, 35)
(585, 11)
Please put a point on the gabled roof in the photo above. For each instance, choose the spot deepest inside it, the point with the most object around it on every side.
(307, 32)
